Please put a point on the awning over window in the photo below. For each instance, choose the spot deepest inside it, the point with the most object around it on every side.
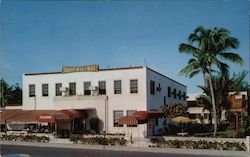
(74, 113)
(129, 120)
(140, 117)
(144, 115)
(45, 117)
(34, 116)
(61, 115)
(21, 116)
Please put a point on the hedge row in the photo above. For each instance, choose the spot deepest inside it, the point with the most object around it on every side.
(202, 144)
(99, 140)
(26, 138)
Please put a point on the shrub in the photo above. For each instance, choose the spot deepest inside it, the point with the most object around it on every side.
(202, 144)
(98, 140)
(172, 129)
(25, 138)
(197, 128)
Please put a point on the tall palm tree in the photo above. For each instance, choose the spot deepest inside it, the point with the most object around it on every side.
(5, 91)
(209, 46)
(9, 94)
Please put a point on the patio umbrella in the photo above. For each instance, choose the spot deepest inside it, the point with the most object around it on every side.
(181, 119)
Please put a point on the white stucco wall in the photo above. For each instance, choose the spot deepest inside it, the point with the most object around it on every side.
(140, 101)
(157, 100)
(125, 101)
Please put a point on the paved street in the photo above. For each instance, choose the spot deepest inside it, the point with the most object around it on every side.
(69, 152)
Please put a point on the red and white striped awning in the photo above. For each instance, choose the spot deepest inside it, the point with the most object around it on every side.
(129, 120)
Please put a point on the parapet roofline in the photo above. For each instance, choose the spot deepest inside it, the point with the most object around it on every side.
(108, 69)
(104, 69)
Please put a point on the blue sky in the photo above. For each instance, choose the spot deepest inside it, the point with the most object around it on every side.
(43, 36)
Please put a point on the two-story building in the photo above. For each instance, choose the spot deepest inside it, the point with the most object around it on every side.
(108, 94)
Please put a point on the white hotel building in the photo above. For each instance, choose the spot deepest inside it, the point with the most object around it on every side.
(108, 94)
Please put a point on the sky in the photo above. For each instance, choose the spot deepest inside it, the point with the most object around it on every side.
(43, 36)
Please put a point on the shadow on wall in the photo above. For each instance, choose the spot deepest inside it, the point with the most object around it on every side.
(93, 123)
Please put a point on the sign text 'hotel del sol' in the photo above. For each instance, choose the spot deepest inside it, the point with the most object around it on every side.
(94, 67)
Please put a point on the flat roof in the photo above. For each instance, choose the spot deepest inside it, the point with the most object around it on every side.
(108, 69)
(104, 69)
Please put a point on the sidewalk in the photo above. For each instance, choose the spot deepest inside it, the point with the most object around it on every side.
(129, 148)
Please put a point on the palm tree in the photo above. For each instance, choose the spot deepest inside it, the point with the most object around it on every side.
(208, 46)
(222, 85)
(196, 64)
(9, 94)
(5, 91)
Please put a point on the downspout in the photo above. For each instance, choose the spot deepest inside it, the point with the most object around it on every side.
(106, 114)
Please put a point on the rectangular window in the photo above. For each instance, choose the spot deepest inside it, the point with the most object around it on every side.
(174, 93)
(169, 91)
(179, 95)
(45, 89)
(117, 116)
(58, 86)
(184, 95)
(133, 86)
(130, 113)
(86, 88)
(118, 87)
(152, 87)
(102, 87)
(72, 88)
(32, 90)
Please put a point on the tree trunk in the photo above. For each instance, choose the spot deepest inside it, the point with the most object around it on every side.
(210, 118)
(204, 79)
(213, 101)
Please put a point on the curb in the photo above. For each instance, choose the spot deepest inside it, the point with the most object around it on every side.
(219, 153)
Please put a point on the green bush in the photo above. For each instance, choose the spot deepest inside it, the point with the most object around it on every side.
(98, 140)
(202, 144)
(25, 138)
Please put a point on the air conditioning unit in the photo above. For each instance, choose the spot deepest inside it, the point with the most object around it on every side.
(64, 89)
(95, 93)
(93, 88)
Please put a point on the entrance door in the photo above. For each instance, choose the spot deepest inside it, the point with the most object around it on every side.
(78, 126)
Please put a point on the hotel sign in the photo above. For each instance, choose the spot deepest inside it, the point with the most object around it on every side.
(80, 68)
(238, 104)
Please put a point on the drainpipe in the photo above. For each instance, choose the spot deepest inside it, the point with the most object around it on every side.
(35, 103)
(106, 114)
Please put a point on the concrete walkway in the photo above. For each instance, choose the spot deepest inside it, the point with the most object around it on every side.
(129, 148)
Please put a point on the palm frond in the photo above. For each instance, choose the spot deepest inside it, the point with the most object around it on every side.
(233, 57)
(187, 48)
(194, 72)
